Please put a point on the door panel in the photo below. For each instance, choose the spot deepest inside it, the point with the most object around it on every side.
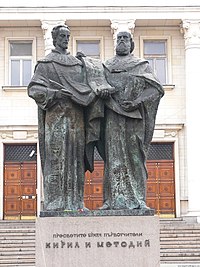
(93, 189)
(19, 190)
(160, 187)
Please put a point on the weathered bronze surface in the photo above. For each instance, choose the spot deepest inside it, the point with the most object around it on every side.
(129, 123)
(89, 213)
(82, 104)
(62, 86)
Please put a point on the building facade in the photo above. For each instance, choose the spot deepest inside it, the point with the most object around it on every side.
(168, 35)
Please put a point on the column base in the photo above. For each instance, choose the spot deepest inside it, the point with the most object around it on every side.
(192, 217)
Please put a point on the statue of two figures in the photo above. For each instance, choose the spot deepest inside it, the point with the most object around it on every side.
(84, 103)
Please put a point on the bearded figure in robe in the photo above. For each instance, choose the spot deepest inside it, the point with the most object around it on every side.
(129, 120)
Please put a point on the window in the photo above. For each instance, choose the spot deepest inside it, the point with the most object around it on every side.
(91, 47)
(157, 52)
(20, 62)
(20, 59)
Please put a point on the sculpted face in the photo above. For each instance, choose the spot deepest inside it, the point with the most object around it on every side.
(62, 39)
(123, 43)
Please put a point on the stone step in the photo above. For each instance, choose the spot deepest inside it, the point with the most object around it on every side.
(17, 230)
(179, 235)
(12, 238)
(178, 251)
(179, 228)
(16, 224)
(181, 260)
(15, 249)
(17, 262)
(17, 242)
(17, 254)
(179, 242)
(14, 264)
(180, 245)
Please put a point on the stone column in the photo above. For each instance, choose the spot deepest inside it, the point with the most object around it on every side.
(122, 25)
(47, 26)
(191, 30)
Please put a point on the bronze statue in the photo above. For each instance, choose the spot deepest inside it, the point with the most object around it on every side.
(129, 121)
(83, 104)
(62, 86)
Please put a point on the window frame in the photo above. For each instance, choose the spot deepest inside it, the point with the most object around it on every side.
(8, 40)
(167, 39)
(89, 38)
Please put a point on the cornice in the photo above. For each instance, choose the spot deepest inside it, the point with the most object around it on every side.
(170, 11)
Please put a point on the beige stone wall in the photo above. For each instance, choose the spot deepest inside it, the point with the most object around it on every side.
(172, 107)
(16, 108)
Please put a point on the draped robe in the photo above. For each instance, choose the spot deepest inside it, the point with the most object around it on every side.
(61, 129)
(127, 134)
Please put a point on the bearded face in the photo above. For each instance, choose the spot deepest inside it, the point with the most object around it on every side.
(123, 44)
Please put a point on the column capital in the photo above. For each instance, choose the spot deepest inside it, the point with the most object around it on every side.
(47, 26)
(191, 31)
(122, 25)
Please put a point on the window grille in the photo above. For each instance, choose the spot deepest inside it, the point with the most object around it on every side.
(20, 153)
(96, 155)
(161, 151)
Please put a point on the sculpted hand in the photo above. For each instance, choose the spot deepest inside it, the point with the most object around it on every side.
(130, 105)
(104, 93)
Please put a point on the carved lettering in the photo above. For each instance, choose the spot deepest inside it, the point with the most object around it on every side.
(94, 235)
(147, 243)
(100, 245)
(139, 243)
(55, 245)
(123, 244)
(69, 245)
(77, 245)
(131, 245)
(108, 244)
(62, 244)
(116, 244)
(88, 244)
(122, 234)
(48, 245)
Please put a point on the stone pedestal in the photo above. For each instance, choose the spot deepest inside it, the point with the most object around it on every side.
(100, 241)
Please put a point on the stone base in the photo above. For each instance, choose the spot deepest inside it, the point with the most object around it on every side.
(113, 241)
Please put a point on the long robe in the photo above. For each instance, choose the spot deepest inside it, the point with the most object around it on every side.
(61, 129)
(128, 134)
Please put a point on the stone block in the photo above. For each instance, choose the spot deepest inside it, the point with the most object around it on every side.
(98, 241)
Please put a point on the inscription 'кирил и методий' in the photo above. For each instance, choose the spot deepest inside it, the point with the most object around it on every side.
(99, 244)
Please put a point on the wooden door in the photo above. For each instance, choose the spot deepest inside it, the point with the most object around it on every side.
(19, 190)
(161, 187)
(93, 190)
